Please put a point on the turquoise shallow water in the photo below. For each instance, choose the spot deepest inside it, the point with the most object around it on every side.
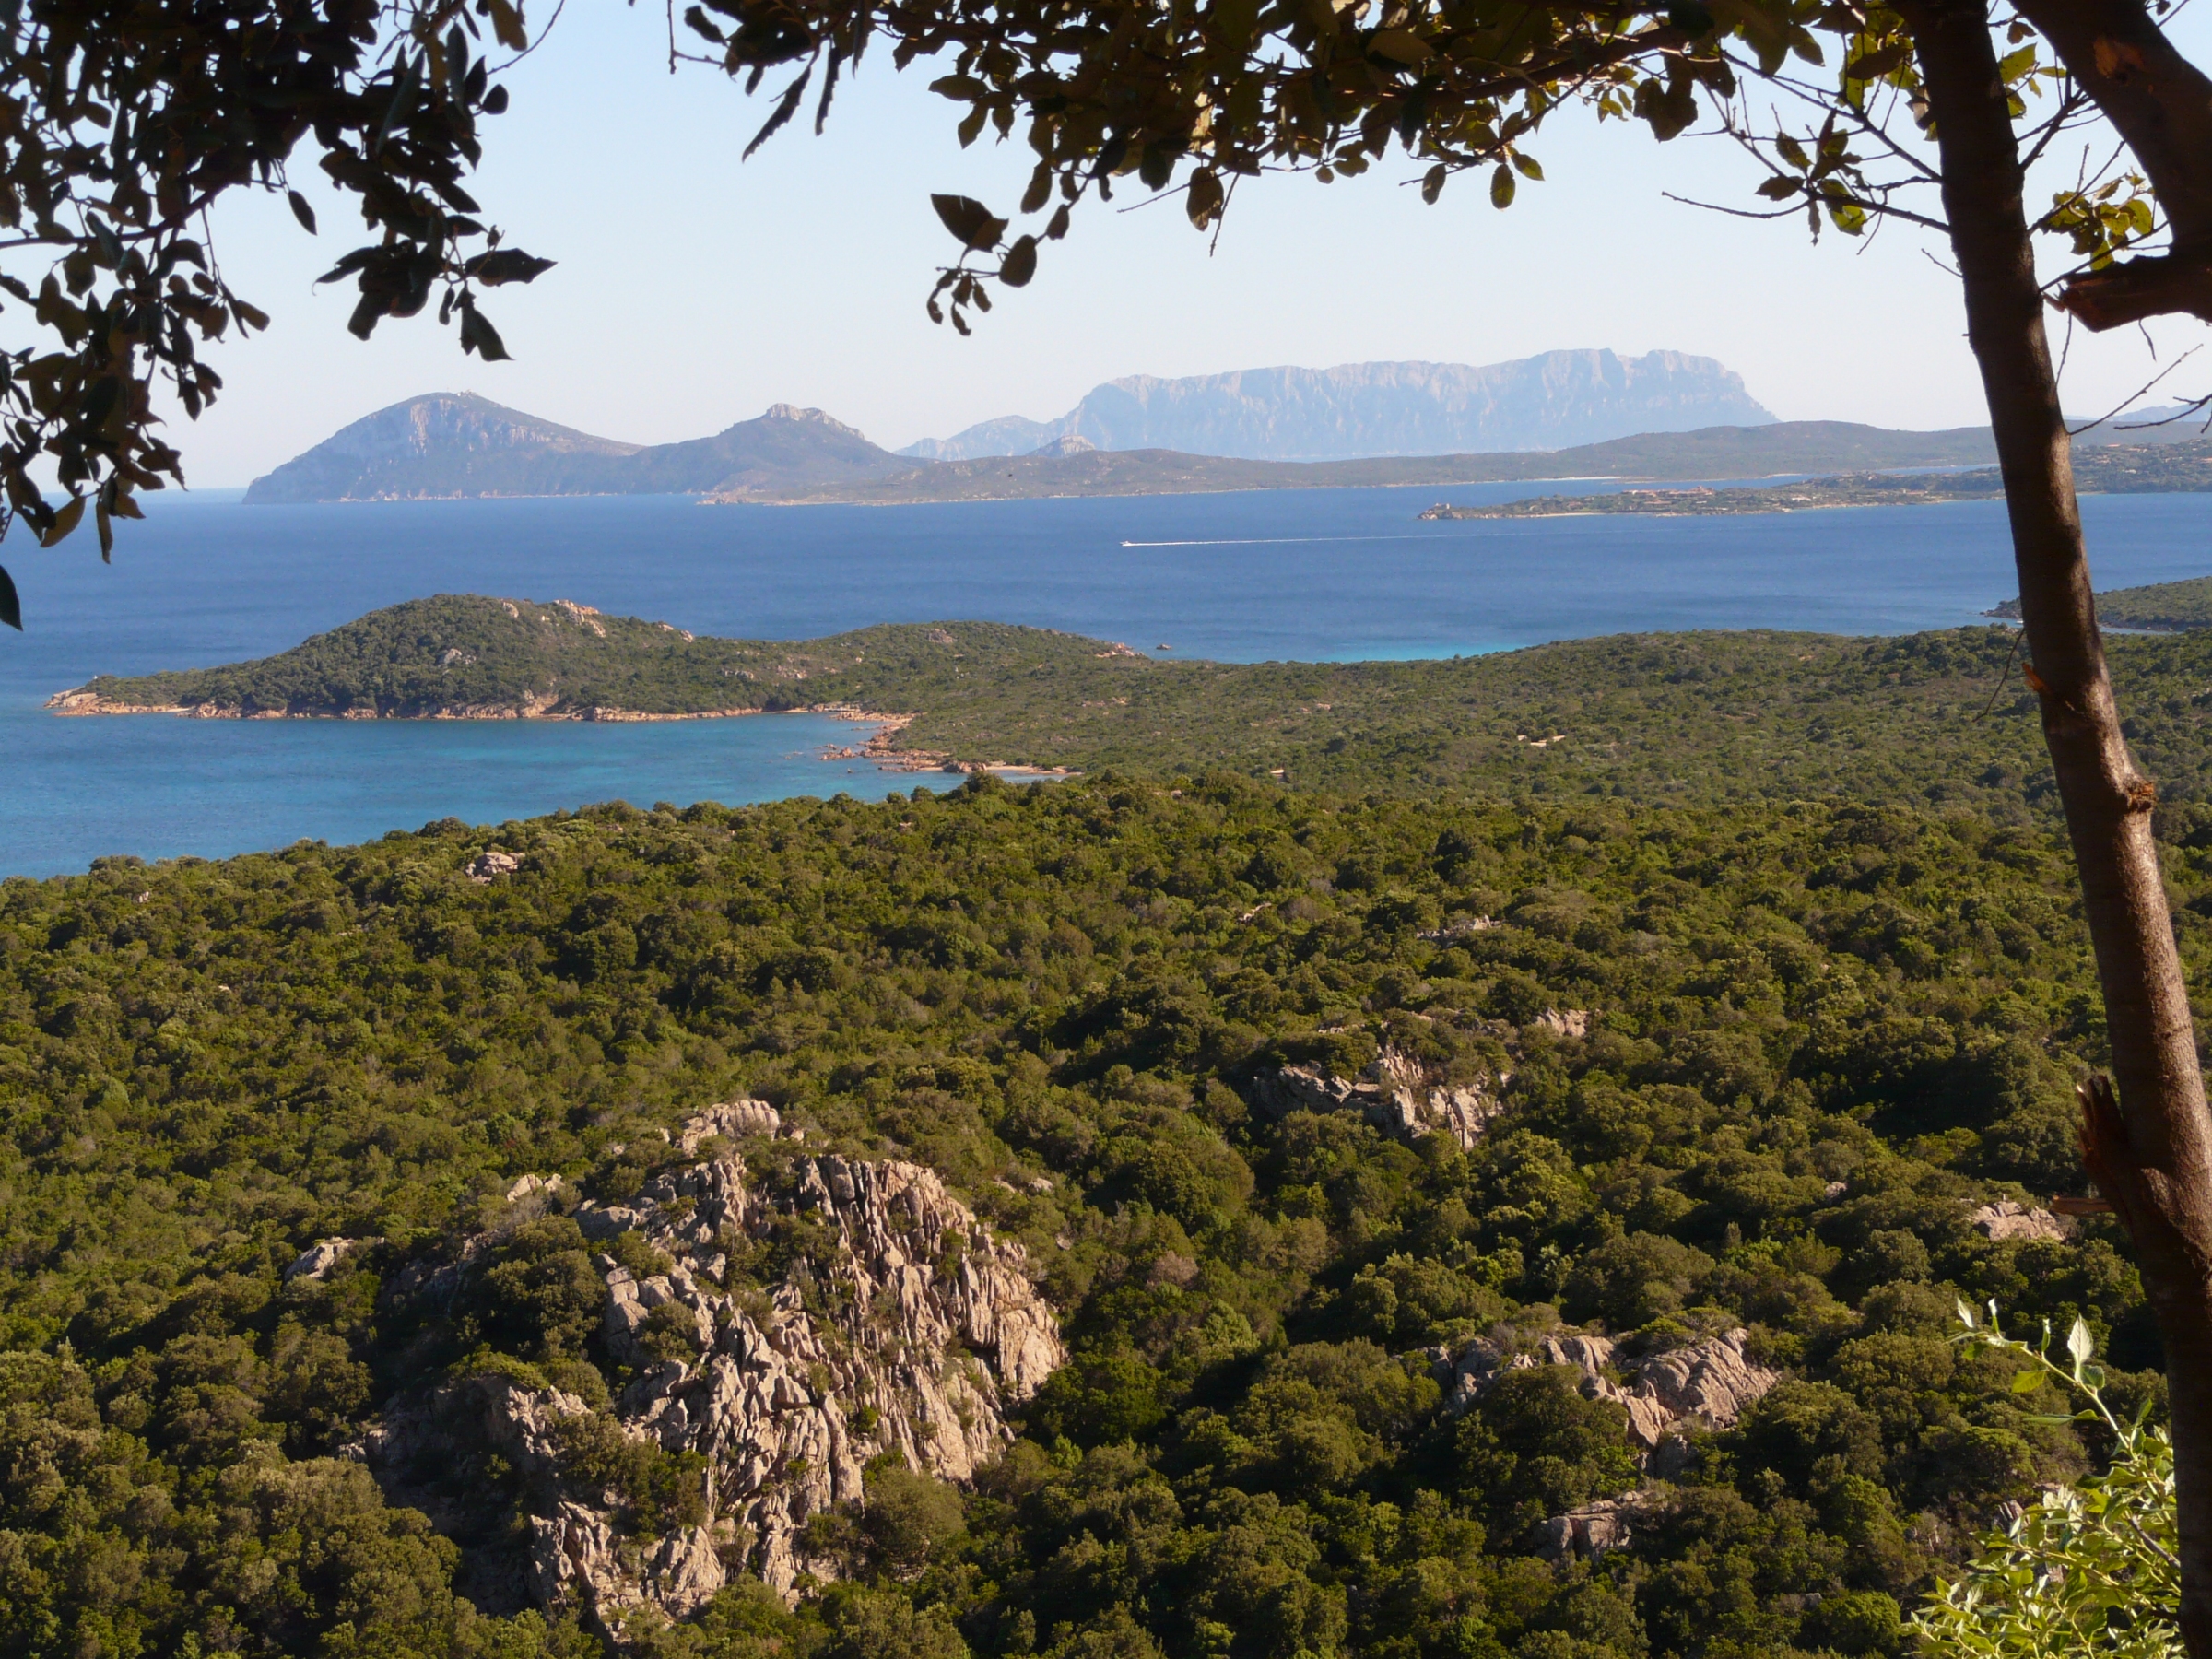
(1315, 575)
(157, 786)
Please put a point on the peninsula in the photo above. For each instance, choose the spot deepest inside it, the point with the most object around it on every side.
(1698, 716)
(470, 656)
(2115, 469)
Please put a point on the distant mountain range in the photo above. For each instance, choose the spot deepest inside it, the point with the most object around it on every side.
(457, 445)
(1552, 401)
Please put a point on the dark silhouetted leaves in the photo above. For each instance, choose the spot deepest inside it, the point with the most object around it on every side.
(1020, 263)
(972, 224)
(505, 264)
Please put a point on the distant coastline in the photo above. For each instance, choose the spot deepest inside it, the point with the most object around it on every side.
(80, 701)
(2116, 470)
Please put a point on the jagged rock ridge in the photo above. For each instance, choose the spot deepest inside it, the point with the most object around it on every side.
(914, 1341)
(1555, 400)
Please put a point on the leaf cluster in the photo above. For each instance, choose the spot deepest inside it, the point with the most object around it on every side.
(119, 125)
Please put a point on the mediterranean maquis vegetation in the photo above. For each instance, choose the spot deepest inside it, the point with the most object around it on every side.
(1728, 1096)
(1802, 1073)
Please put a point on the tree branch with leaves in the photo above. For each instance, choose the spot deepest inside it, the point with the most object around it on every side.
(121, 124)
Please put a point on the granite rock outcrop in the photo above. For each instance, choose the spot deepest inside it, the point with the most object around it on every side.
(903, 1328)
(1708, 1383)
(1393, 1094)
(1593, 1529)
(2007, 1221)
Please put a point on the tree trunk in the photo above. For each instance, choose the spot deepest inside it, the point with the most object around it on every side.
(2152, 1157)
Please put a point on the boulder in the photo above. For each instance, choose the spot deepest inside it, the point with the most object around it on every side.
(484, 865)
(1593, 1529)
(731, 1120)
(315, 1262)
(1712, 1382)
(2007, 1220)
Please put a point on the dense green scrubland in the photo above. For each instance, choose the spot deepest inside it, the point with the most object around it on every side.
(1940, 719)
(1818, 1036)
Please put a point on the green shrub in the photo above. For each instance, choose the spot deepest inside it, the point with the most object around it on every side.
(2088, 1569)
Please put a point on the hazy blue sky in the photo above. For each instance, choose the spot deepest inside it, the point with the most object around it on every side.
(693, 291)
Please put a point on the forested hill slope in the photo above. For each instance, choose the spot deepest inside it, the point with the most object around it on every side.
(468, 657)
(1938, 718)
(276, 1135)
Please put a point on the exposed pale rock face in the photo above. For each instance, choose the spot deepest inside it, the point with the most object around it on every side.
(731, 1120)
(1565, 1022)
(315, 1262)
(1593, 1529)
(1459, 927)
(484, 865)
(1393, 1095)
(2004, 1219)
(913, 1338)
(582, 616)
(1710, 1382)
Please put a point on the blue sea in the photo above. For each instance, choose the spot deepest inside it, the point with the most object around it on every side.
(1332, 575)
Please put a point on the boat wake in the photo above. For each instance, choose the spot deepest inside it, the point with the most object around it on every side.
(1267, 541)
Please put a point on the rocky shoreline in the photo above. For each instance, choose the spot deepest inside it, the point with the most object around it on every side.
(880, 748)
(78, 700)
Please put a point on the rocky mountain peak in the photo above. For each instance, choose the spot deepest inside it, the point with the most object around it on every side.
(1068, 446)
(784, 411)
